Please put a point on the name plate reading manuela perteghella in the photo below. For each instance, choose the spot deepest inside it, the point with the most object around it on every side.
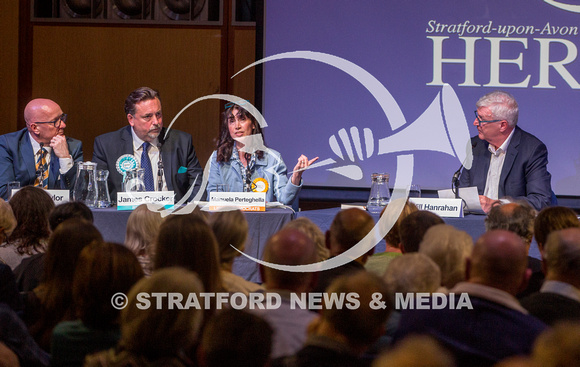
(131, 200)
(449, 208)
(245, 201)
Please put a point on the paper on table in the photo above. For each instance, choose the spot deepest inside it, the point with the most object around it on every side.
(469, 195)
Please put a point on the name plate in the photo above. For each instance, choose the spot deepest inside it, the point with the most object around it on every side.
(449, 208)
(58, 196)
(131, 200)
(245, 201)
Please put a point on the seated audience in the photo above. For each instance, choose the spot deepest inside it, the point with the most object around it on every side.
(449, 248)
(7, 220)
(342, 335)
(158, 335)
(188, 241)
(310, 229)
(519, 219)
(414, 226)
(103, 270)
(8, 290)
(51, 302)
(407, 274)
(30, 270)
(288, 247)
(416, 351)
(559, 297)
(496, 326)
(31, 206)
(551, 219)
(378, 262)
(348, 227)
(142, 229)
(235, 338)
(231, 229)
(558, 346)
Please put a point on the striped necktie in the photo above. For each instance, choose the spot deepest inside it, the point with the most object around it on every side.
(41, 169)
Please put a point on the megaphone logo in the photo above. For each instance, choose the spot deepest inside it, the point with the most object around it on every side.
(568, 7)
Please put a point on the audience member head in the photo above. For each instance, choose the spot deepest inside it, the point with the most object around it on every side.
(359, 327)
(558, 346)
(230, 229)
(562, 256)
(449, 248)
(236, 338)
(7, 220)
(499, 260)
(289, 247)
(64, 247)
(416, 351)
(188, 241)
(156, 332)
(31, 206)
(103, 269)
(413, 228)
(393, 238)
(348, 227)
(411, 273)
(71, 209)
(551, 219)
(310, 229)
(513, 217)
(142, 229)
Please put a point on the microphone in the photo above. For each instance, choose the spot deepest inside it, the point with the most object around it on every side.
(455, 179)
(159, 170)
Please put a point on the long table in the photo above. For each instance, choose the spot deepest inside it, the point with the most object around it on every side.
(112, 224)
(472, 224)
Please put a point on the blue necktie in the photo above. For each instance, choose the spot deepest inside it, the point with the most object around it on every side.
(146, 165)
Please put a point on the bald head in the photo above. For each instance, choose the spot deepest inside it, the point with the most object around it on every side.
(43, 110)
(347, 229)
(562, 256)
(288, 247)
(499, 260)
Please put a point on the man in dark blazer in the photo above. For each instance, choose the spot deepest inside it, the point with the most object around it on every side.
(507, 161)
(181, 167)
(20, 150)
(559, 298)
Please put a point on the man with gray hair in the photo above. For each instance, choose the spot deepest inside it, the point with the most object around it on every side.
(559, 297)
(507, 161)
(167, 157)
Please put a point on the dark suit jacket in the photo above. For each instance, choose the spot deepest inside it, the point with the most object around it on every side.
(17, 162)
(524, 174)
(552, 307)
(176, 152)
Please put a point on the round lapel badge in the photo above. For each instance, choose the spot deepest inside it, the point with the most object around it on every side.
(125, 163)
(260, 185)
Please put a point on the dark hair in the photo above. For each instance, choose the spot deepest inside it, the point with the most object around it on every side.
(31, 206)
(103, 270)
(188, 241)
(553, 219)
(237, 338)
(513, 217)
(225, 144)
(72, 209)
(137, 96)
(414, 226)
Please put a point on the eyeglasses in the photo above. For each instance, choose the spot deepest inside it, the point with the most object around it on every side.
(480, 121)
(56, 122)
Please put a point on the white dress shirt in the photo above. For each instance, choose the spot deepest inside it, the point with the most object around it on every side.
(495, 167)
(153, 157)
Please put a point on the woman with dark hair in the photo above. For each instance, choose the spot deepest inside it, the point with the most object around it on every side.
(103, 270)
(31, 206)
(51, 302)
(245, 164)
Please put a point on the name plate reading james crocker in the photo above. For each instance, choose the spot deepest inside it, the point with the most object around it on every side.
(245, 201)
(450, 208)
(131, 200)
